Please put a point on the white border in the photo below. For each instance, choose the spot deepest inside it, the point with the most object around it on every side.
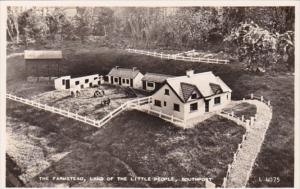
(143, 3)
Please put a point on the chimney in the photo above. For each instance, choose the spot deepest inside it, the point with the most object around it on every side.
(189, 73)
(116, 67)
(134, 68)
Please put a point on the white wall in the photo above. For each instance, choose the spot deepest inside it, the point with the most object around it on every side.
(137, 81)
(224, 101)
(81, 80)
(170, 99)
(58, 84)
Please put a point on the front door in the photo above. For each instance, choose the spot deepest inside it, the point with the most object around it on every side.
(67, 84)
(120, 81)
(131, 82)
(111, 80)
(207, 106)
(144, 85)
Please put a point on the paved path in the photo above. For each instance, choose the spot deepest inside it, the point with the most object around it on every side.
(242, 167)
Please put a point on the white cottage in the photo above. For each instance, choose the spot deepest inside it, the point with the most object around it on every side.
(191, 95)
(66, 82)
(125, 77)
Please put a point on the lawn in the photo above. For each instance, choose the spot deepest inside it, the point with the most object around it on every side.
(244, 108)
(277, 154)
(132, 144)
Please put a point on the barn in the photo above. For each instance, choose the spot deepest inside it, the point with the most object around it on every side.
(192, 95)
(125, 77)
(42, 63)
(154, 81)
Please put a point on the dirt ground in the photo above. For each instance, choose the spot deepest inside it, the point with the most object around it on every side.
(86, 104)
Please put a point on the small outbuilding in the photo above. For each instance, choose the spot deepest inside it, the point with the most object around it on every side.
(42, 63)
(125, 77)
(154, 81)
(66, 82)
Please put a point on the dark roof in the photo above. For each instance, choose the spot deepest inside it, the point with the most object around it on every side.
(206, 83)
(154, 77)
(42, 54)
(123, 72)
(187, 90)
(215, 88)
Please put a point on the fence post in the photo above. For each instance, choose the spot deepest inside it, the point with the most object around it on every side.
(161, 55)
(232, 113)
(224, 182)
(247, 122)
(252, 120)
(251, 95)
(255, 117)
(269, 102)
(172, 118)
(244, 99)
(243, 118)
(262, 98)
(160, 114)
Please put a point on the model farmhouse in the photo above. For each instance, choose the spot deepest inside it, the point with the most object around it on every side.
(125, 77)
(191, 95)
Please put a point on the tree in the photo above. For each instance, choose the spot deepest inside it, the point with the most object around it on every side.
(81, 23)
(256, 46)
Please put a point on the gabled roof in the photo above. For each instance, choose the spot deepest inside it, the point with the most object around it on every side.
(42, 54)
(123, 72)
(154, 77)
(187, 90)
(206, 83)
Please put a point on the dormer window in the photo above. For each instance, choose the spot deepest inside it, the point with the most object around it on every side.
(167, 92)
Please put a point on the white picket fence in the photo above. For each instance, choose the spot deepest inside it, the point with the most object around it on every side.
(166, 117)
(180, 57)
(247, 124)
(84, 119)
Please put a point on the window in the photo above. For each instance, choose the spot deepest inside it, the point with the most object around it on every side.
(194, 96)
(127, 81)
(165, 103)
(167, 92)
(176, 107)
(76, 82)
(193, 107)
(63, 82)
(86, 81)
(81, 86)
(116, 80)
(150, 84)
(123, 80)
(95, 78)
(157, 103)
(217, 100)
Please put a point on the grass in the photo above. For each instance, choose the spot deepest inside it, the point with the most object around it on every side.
(132, 144)
(277, 154)
(244, 108)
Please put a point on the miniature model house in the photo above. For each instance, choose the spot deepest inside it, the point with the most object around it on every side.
(125, 77)
(191, 95)
(66, 82)
(154, 81)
